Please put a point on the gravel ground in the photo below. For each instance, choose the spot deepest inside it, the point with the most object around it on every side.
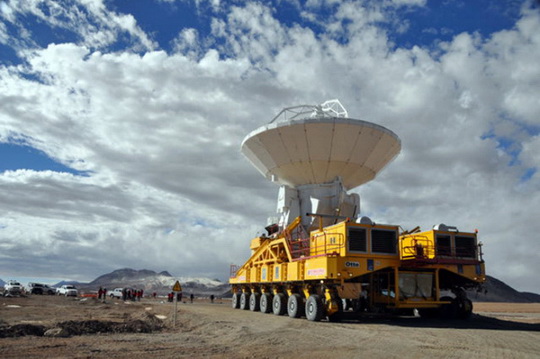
(88, 328)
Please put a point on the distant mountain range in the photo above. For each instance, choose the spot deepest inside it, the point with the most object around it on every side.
(151, 281)
(162, 283)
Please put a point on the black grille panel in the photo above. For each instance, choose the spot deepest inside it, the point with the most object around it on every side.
(465, 247)
(383, 241)
(444, 247)
(357, 240)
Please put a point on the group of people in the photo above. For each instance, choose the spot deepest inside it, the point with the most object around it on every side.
(137, 294)
(102, 293)
(132, 294)
(170, 297)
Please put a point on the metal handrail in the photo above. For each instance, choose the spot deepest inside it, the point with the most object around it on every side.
(458, 253)
(307, 247)
(420, 241)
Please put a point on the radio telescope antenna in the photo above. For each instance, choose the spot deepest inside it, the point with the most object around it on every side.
(330, 108)
(316, 153)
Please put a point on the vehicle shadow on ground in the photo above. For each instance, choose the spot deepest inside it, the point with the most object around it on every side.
(476, 321)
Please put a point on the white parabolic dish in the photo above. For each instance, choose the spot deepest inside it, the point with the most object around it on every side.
(317, 150)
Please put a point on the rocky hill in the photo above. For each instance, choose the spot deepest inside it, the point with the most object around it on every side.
(70, 282)
(151, 281)
(498, 291)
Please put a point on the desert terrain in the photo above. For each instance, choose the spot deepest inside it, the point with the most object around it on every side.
(146, 329)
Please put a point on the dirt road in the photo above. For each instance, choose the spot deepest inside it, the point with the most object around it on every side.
(217, 331)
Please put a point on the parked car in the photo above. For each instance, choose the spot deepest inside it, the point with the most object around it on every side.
(12, 287)
(68, 290)
(48, 289)
(38, 288)
(116, 293)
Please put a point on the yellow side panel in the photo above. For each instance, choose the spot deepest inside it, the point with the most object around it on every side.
(254, 275)
(350, 267)
(331, 240)
(292, 271)
(321, 268)
(255, 243)
(470, 272)
(240, 277)
(422, 244)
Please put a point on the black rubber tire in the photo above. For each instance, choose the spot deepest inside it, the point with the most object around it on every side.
(448, 311)
(254, 302)
(464, 308)
(279, 304)
(244, 301)
(235, 300)
(295, 306)
(314, 308)
(266, 303)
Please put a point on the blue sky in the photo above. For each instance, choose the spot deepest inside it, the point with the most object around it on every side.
(162, 20)
(121, 121)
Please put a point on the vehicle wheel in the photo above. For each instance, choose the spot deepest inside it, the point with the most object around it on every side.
(337, 316)
(254, 302)
(295, 306)
(236, 300)
(244, 301)
(314, 308)
(266, 303)
(279, 304)
(464, 308)
(448, 311)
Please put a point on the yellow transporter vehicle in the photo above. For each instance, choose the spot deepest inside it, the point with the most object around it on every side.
(454, 258)
(353, 268)
(319, 258)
